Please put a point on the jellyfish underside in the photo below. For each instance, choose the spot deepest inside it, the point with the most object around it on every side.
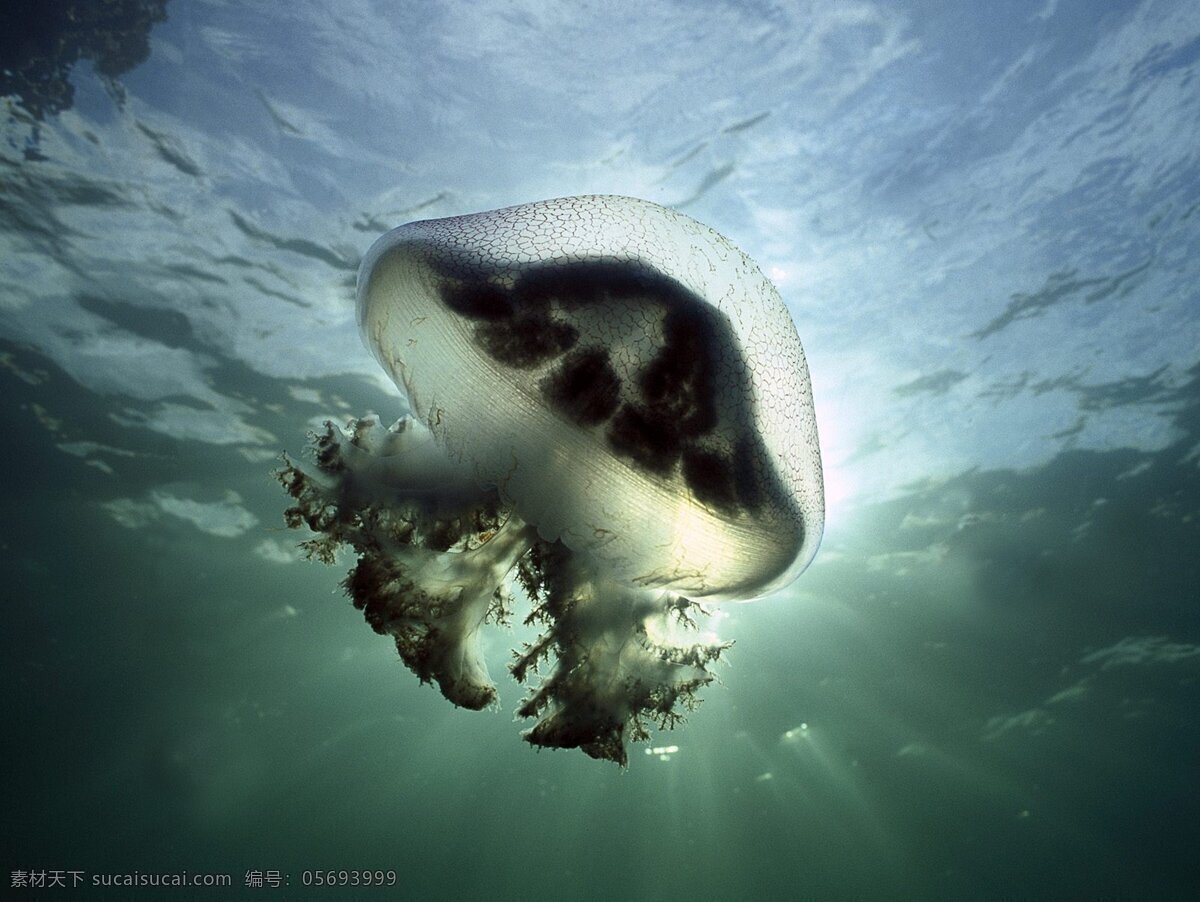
(437, 555)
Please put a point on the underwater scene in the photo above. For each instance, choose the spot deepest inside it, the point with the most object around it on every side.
(600, 451)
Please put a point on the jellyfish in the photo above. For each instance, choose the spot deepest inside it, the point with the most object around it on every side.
(610, 417)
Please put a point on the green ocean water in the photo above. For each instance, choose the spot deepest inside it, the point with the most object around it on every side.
(984, 224)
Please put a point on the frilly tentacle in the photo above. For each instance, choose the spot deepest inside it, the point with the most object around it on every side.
(434, 552)
(433, 549)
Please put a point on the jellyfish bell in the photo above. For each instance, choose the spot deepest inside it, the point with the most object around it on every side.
(610, 402)
(624, 374)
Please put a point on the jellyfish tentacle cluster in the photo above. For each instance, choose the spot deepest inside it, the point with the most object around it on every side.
(431, 571)
(611, 415)
(431, 564)
(610, 675)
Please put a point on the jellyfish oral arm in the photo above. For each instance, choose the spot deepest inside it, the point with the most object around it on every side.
(433, 547)
(616, 672)
(435, 552)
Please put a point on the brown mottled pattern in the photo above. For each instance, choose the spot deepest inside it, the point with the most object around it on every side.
(619, 325)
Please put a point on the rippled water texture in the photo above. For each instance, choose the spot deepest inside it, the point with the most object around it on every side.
(983, 220)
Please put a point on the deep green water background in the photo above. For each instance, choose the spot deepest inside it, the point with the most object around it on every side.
(985, 225)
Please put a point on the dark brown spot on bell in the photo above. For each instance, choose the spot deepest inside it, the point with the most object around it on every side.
(585, 388)
(525, 341)
(710, 477)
